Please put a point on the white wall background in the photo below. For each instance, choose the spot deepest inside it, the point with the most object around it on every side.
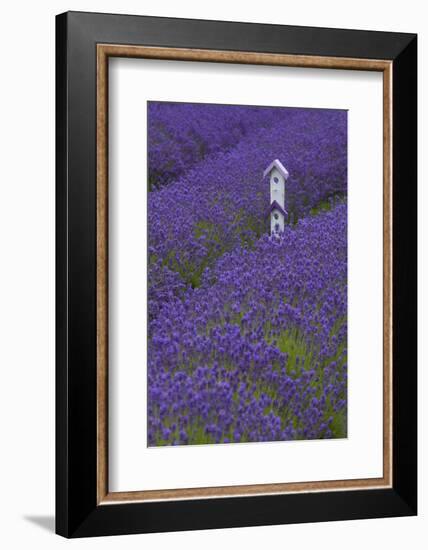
(27, 272)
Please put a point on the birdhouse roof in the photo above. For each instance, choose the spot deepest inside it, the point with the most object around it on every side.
(275, 206)
(278, 165)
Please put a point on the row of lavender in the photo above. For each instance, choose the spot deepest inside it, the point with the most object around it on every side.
(221, 202)
(182, 134)
(258, 352)
(247, 334)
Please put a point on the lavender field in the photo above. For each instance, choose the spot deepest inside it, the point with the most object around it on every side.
(247, 330)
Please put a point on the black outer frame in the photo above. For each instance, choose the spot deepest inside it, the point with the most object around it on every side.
(77, 513)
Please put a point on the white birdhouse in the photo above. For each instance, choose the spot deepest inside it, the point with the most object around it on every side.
(277, 218)
(277, 177)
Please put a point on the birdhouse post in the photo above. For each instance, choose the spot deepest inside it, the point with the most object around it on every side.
(277, 177)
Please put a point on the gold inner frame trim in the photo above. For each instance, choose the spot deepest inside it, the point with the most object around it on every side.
(104, 51)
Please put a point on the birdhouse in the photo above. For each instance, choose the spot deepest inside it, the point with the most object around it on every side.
(277, 218)
(277, 177)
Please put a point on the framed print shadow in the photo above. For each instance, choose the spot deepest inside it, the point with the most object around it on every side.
(235, 274)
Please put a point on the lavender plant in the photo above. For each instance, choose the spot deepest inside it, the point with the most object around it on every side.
(182, 134)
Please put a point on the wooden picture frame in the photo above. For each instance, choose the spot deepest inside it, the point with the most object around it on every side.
(84, 504)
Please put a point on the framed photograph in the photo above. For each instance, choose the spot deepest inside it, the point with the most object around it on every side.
(236, 274)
